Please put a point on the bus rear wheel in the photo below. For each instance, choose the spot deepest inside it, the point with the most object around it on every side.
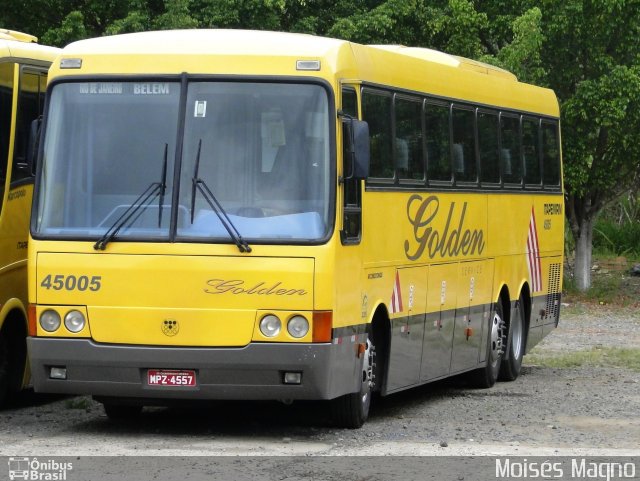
(487, 376)
(512, 362)
(352, 410)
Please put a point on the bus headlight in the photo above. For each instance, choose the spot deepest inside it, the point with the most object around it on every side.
(298, 326)
(50, 320)
(270, 325)
(74, 321)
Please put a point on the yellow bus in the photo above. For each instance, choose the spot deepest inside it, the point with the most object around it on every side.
(23, 75)
(259, 215)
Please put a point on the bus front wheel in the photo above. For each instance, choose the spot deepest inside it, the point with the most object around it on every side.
(5, 366)
(352, 410)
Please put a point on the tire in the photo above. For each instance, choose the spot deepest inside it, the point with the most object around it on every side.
(352, 410)
(5, 368)
(122, 412)
(487, 376)
(512, 362)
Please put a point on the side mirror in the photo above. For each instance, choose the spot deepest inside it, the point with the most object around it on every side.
(356, 138)
(361, 157)
(32, 146)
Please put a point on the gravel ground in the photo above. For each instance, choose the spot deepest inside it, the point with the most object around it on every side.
(546, 411)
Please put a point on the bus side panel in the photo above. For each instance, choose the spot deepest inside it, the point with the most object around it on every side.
(474, 305)
(13, 244)
(408, 305)
(439, 326)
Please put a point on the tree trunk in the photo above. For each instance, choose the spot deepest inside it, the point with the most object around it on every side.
(584, 247)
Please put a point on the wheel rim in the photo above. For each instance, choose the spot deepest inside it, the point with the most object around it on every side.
(367, 374)
(516, 336)
(496, 348)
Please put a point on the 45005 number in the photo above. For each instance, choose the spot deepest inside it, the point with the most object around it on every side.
(59, 282)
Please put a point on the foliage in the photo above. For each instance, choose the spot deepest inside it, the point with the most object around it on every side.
(594, 70)
(523, 55)
(618, 230)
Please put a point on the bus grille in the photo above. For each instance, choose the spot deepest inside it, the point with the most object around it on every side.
(553, 296)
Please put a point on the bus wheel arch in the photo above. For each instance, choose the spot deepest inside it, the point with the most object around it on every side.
(352, 410)
(517, 328)
(380, 329)
(13, 353)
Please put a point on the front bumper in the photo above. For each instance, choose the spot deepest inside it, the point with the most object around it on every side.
(251, 372)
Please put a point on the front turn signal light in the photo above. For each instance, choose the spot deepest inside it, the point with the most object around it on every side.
(322, 325)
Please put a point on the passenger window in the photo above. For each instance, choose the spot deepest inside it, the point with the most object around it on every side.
(409, 162)
(530, 149)
(6, 105)
(510, 150)
(464, 145)
(438, 142)
(376, 110)
(488, 146)
(550, 154)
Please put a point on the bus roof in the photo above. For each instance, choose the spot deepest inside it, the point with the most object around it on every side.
(20, 45)
(253, 53)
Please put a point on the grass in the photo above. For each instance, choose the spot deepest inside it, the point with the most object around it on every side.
(78, 403)
(622, 239)
(608, 288)
(596, 357)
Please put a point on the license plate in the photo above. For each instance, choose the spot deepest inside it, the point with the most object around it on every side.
(158, 377)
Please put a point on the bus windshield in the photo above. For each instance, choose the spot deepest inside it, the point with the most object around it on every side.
(262, 149)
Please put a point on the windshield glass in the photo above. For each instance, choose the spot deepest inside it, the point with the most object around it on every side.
(262, 149)
(105, 144)
(264, 153)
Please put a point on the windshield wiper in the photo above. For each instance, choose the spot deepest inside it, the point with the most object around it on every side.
(163, 184)
(198, 184)
(138, 206)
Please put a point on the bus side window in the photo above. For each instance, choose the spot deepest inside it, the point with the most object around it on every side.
(438, 142)
(6, 102)
(550, 155)
(30, 106)
(531, 152)
(349, 102)
(488, 146)
(352, 202)
(464, 145)
(408, 139)
(510, 150)
(376, 110)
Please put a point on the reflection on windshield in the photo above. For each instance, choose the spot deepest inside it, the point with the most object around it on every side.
(264, 155)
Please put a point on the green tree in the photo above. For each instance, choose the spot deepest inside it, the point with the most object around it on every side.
(592, 56)
(72, 28)
(588, 52)
(522, 55)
